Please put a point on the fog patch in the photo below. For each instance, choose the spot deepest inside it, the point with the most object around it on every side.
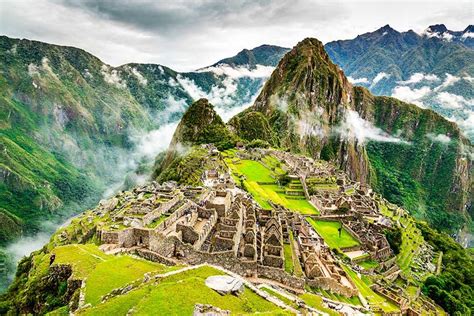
(380, 76)
(356, 127)
(452, 101)
(259, 71)
(112, 76)
(141, 80)
(357, 80)
(419, 77)
(410, 95)
(439, 138)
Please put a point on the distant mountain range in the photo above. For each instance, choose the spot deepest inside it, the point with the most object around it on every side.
(434, 69)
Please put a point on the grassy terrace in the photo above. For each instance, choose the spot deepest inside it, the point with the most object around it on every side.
(411, 239)
(372, 298)
(102, 272)
(177, 294)
(260, 181)
(329, 231)
(292, 263)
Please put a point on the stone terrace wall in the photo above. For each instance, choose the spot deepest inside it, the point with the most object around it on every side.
(281, 276)
(332, 285)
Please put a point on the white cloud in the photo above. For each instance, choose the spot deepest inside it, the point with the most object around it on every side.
(418, 77)
(409, 95)
(239, 72)
(467, 35)
(452, 101)
(440, 138)
(152, 143)
(357, 80)
(380, 76)
(356, 127)
(112, 77)
(142, 80)
(448, 81)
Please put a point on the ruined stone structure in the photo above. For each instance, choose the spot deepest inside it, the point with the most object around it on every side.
(222, 225)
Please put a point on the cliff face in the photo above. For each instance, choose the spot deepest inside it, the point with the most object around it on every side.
(412, 155)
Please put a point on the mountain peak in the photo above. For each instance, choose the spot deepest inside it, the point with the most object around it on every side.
(266, 55)
(438, 28)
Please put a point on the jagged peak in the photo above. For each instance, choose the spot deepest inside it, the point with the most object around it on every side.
(438, 28)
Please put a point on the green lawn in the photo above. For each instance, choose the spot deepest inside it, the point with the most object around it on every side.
(177, 295)
(316, 301)
(255, 171)
(329, 231)
(102, 272)
(280, 297)
(298, 270)
(289, 267)
(368, 264)
(117, 272)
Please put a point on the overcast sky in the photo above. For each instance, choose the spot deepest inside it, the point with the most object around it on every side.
(187, 35)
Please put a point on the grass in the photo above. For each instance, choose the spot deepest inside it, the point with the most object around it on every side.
(255, 171)
(298, 270)
(260, 182)
(340, 298)
(372, 298)
(315, 301)
(329, 231)
(289, 267)
(102, 272)
(177, 295)
(280, 297)
(117, 272)
(368, 264)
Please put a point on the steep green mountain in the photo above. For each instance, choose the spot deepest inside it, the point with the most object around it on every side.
(400, 149)
(433, 69)
(200, 125)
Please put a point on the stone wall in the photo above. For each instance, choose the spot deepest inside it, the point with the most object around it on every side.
(281, 276)
(332, 285)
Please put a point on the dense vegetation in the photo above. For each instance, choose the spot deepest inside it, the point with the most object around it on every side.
(453, 288)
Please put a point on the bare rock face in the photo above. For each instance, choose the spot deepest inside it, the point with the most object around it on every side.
(225, 284)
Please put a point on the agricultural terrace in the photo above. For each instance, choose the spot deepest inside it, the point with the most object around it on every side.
(177, 294)
(329, 231)
(102, 272)
(412, 238)
(375, 300)
(259, 178)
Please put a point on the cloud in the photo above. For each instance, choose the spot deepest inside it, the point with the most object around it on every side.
(467, 35)
(357, 80)
(259, 71)
(452, 101)
(178, 33)
(152, 143)
(409, 95)
(440, 138)
(448, 81)
(356, 127)
(112, 76)
(142, 80)
(380, 76)
(418, 77)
